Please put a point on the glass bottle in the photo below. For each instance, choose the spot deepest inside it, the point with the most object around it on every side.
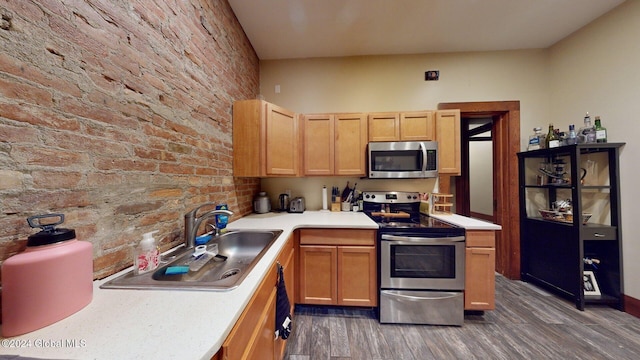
(535, 139)
(552, 139)
(587, 133)
(572, 139)
(601, 132)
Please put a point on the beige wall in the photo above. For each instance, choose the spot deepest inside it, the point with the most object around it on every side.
(596, 70)
(396, 83)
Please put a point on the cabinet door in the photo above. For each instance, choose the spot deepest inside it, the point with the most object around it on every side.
(318, 275)
(384, 127)
(319, 144)
(448, 137)
(248, 121)
(479, 292)
(417, 126)
(287, 261)
(350, 144)
(256, 323)
(357, 276)
(281, 138)
(480, 264)
(262, 345)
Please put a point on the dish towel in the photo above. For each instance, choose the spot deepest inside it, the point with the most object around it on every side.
(283, 307)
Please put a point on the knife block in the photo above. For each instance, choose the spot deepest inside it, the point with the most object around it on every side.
(336, 206)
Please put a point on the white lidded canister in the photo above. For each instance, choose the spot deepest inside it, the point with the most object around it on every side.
(49, 281)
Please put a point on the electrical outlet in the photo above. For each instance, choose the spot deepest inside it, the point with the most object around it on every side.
(277, 89)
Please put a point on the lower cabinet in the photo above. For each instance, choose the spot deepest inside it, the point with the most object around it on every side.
(337, 267)
(479, 276)
(252, 337)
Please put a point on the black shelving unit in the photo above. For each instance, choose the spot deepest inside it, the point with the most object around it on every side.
(553, 251)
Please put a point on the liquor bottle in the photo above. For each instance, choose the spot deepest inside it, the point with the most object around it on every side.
(601, 132)
(572, 135)
(587, 133)
(552, 139)
(535, 139)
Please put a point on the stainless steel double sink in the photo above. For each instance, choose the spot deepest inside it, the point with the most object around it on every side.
(239, 250)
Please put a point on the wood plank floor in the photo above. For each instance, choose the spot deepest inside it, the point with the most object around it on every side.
(528, 323)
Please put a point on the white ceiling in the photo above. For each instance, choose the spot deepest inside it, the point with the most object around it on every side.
(284, 29)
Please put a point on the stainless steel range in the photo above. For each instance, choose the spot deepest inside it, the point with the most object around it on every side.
(421, 262)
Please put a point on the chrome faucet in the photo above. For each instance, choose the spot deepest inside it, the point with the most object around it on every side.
(192, 223)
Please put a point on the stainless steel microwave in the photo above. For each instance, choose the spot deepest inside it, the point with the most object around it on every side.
(402, 159)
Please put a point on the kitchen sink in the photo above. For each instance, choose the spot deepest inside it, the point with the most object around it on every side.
(238, 252)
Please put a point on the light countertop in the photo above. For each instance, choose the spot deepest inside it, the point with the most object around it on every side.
(177, 324)
(167, 324)
(466, 222)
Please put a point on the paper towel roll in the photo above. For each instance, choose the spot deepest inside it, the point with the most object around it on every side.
(324, 198)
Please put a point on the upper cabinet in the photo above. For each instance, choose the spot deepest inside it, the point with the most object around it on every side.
(351, 144)
(334, 144)
(448, 137)
(319, 144)
(270, 141)
(265, 140)
(406, 126)
(384, 127)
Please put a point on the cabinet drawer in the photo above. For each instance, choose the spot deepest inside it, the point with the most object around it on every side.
(599, 233)
(480, 238)
(337, 237)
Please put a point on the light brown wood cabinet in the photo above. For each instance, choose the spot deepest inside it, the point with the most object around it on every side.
(334, 144)
(319, 144)
(287, 260)
(252, 337)
(265, 140)
(405, 126)
(448, 138)
(479, 276)
(337, 267)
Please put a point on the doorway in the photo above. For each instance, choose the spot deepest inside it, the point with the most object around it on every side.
(476, 183)
(505, 138)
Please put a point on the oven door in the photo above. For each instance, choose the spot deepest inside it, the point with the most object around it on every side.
(420, 261)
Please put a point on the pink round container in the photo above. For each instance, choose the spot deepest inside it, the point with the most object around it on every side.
(50, 280)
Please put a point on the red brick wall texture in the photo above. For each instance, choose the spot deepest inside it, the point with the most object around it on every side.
(118, 115)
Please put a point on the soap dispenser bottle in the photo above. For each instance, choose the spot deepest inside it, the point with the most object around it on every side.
(147, 254)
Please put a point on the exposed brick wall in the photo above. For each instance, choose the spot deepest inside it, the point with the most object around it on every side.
(118, 115)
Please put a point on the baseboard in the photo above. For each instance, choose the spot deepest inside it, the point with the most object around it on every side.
(631, 306)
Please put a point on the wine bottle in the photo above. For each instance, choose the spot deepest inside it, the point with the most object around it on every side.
(601, 132)
(552, 139)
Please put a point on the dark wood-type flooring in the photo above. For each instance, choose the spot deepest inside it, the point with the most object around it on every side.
(528, 323)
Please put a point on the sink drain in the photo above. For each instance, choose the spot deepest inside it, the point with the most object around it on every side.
(229, 273)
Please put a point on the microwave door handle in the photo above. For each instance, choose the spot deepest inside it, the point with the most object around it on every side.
(424, 240)
(424, 157)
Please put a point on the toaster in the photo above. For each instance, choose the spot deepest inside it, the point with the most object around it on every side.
(296, 205)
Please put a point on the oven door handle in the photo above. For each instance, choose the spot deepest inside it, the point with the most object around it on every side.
(424, 240)
(439, 296)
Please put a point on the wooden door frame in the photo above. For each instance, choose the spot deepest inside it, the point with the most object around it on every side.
(506, 145)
